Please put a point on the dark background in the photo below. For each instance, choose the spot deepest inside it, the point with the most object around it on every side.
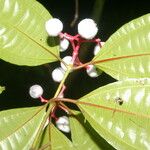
(17, 79)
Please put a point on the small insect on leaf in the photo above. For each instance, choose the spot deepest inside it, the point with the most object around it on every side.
(119, 100)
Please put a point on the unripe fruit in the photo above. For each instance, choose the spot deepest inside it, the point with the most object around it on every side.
(67, 60)
(53, 26)
(36, 91)
(64, 44)
(87, 28)
(97, 48)
(63, 124)
(58, 74)
(91, 71)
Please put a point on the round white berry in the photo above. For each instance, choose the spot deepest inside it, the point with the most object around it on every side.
(87, 28)
(63, 124)
(53, 26)
(58, 74)
(67, 60)
(36, 91)
(64, 44)
(91, 71)
(97, 48)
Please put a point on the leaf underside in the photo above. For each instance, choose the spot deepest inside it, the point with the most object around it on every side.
(120, 113)
(23, 39)
(53, 139)
(84, 136)
(18, 127)
(126, 54)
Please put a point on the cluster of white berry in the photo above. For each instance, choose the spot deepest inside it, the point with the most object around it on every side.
(54, 27)
(58, 73)
(62, 123)
(87, 29)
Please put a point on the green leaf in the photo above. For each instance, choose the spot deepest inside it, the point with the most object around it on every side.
(126, 54)
(18, 127)
(45, 139)
(84, 136)
(2, 88)
(120, 113)
(53, 139)
(23, 39)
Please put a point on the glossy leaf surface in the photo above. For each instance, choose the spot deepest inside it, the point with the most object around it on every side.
(120, 113)
(23, 38)
(53, 139)
(126, 54)
(84, 136)
(18, 127)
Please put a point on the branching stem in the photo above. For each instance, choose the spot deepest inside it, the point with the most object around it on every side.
(78, 103)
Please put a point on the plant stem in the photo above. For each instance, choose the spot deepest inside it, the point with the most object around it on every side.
(62, 82)
(39, 132)
(78, 103)
(82, 65)
(97, 10)
(76, 15)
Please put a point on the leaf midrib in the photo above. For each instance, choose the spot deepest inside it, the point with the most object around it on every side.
(119, 39)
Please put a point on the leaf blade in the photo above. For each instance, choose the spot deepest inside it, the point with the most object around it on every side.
(53, 139)
(124, 126)
(18, 127)
(83, 135)
(130, 40)
(24, 40)
(64, 144)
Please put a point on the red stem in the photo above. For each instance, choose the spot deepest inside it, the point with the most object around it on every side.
(103, 107)
(117, 58)
(108, 59)
(43, 100)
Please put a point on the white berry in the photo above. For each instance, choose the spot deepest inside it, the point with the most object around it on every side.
(87, 28)
(58, 74)
(97, 48)
(67, 60)
(64, 44)
(36, 91)
(53, 26)
(91, 71)
(63, 124)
